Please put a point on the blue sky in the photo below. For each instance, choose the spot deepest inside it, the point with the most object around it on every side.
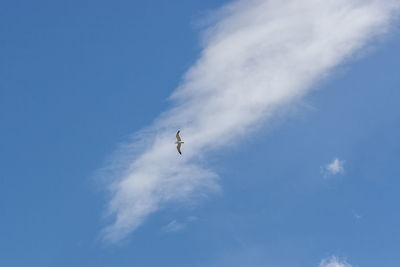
(79, 78)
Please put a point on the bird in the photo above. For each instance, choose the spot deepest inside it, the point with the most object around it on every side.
(179, 142)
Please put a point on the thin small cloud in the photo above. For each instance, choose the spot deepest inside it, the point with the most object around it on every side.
(192, 219)
(173, 226)
(356, 215)
(334, 262)
(333, 168)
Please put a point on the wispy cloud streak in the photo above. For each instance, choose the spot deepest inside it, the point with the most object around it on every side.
(258, 56)
(334, 262)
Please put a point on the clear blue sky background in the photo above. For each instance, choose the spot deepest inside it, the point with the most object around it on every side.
(79, 77)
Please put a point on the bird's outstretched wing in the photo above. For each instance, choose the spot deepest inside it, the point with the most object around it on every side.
(177, 136)
(179, 148)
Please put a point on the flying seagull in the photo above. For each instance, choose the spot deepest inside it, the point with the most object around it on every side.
(179, 142)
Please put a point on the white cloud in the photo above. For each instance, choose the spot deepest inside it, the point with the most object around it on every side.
(258, 56)
(335, 167)
(334, 262)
